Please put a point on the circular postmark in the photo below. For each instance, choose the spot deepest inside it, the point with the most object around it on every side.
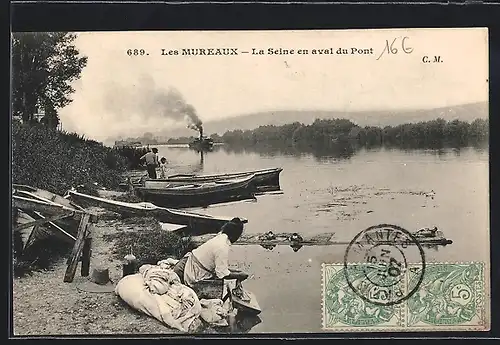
(388, 261)
(376, 263)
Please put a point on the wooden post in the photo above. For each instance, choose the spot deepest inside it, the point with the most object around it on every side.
(87, 251)
(77, 249)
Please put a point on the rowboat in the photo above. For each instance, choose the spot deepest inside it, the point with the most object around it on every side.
(199, 194)
(40, 214)
(263, 177)
(38, 204)
(44, 195)
(59, 220)
(30, 235)
(264, 180)
(196, 223)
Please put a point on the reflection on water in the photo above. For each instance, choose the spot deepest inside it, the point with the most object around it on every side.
(297, 247)
(268, 246)
(342, 150)
(243, 323)
(197, 169)
(344, 191)
(240, 323)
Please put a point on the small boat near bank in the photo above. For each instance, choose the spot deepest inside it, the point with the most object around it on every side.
(264, 179)
(43, 195)
(28, 236)
(190, 194)
(196, 223)
(38, 204)
(39, 215)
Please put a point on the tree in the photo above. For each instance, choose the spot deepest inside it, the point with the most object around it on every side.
(43, 65)
(51, 119)
(216, 138)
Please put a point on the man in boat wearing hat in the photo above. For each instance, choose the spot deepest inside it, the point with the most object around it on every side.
(211, 259)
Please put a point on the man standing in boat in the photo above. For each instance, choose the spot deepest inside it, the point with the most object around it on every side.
(211, 259)
(152, 163)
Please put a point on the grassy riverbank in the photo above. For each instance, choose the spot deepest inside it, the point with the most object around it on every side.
(49, 159)
(56, 161)
(145, 238)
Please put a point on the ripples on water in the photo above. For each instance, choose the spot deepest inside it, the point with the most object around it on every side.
(344, 194)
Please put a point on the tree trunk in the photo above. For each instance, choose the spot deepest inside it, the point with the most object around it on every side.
(51, 118)
(29, 107)
(23, 110)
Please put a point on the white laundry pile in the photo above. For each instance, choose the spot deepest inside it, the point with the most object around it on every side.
(157, 291)
(159, 280)
(214, 312)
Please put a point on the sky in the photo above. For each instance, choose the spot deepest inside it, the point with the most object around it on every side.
(122, 95)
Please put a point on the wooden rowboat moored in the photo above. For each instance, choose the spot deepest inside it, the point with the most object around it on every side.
(264, 180)
(196, 223)
(265, 177)
(203, 194)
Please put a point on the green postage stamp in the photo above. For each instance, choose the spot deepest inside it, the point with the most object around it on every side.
(431, 297)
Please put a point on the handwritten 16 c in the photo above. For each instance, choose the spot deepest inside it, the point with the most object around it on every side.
(136, 52)
(391, 49)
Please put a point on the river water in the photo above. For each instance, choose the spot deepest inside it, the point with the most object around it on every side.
(346, 195)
